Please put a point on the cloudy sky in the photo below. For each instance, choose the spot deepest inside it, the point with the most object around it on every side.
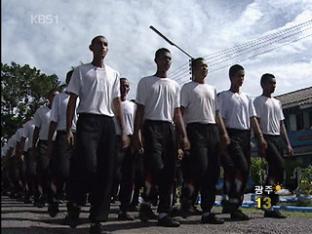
(261, 35)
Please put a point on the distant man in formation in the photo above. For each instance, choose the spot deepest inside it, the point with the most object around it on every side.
(31, 185)
(157, 117)
(98, 87)
(239, 115)
(125, 158)
(59, 152)
(42, 118)
(198, 104)
(271, 118)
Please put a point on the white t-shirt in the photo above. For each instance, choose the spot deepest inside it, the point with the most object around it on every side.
(199, 101)
(128, 109)
(19, 133)
(96, 87)
(29, 127)
(58, 111)
(12, 143)
(42, 119)
(236, 109)
(159, 96)
(4, 150)
(270, 112)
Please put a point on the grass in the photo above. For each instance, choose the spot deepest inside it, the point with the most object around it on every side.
(304, 203)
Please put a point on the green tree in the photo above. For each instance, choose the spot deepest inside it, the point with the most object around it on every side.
(305, 185)
(258, 170)
(23, 90)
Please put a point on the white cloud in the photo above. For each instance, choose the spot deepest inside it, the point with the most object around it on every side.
(200, 27)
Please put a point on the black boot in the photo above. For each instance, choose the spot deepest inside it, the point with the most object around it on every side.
(72, 217)
(97, 228)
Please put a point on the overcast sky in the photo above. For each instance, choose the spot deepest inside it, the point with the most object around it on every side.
(55, 35)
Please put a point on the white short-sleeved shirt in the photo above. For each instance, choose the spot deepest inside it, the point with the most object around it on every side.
(159, 96)
(4, 150)
(236, 109)
(128, 109)
(270, 112)
(42, 119)
(12, 143)
(19, 134)
(96, 87)
(58, 111)
(199, 101)
(29, 127)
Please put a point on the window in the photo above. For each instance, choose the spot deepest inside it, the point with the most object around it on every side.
(299, 118)
(292, 122)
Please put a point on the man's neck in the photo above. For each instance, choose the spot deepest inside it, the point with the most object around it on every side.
(200, 81)
(161, 74)
(235, 89)
(98, 62)
(266, 94)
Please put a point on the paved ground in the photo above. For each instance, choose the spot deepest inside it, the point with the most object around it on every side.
(20, 218)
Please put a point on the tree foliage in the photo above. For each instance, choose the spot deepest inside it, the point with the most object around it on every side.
(23, 90)
(305, 185)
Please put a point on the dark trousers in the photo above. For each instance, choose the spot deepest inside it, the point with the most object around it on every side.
(43, 169)
(236, 164)
(276, 163)
(124, 174)
(60, 164)
(31, 174)
(15, 165)
(160, 156)
(92, 164)
(138, 178)
(203, 169)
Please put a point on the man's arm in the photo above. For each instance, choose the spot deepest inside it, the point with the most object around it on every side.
(35, 138)
(70, 112)
(224, 137)
(262, 143)
(9, 152)
(182, 109)
(285, 135)
(18, 152)
(20, 147)
(120, 120)
(52, 129)
(138, 124)
(178, 120)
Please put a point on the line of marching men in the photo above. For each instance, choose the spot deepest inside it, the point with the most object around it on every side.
(90, 140)
(30, 168)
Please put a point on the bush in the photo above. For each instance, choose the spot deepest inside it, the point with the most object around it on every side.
(258, 170)
(305, 185)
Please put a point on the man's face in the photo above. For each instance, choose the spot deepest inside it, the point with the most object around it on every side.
(270, 85)
(99, 47)
(238, 78)
(200, 70)
(124, 88)
(51, 96)
(163, 61)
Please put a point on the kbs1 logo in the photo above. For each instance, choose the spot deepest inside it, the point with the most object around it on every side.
(44, 19)
(263, 199)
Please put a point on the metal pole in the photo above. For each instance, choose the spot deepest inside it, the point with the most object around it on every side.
(170, 42)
